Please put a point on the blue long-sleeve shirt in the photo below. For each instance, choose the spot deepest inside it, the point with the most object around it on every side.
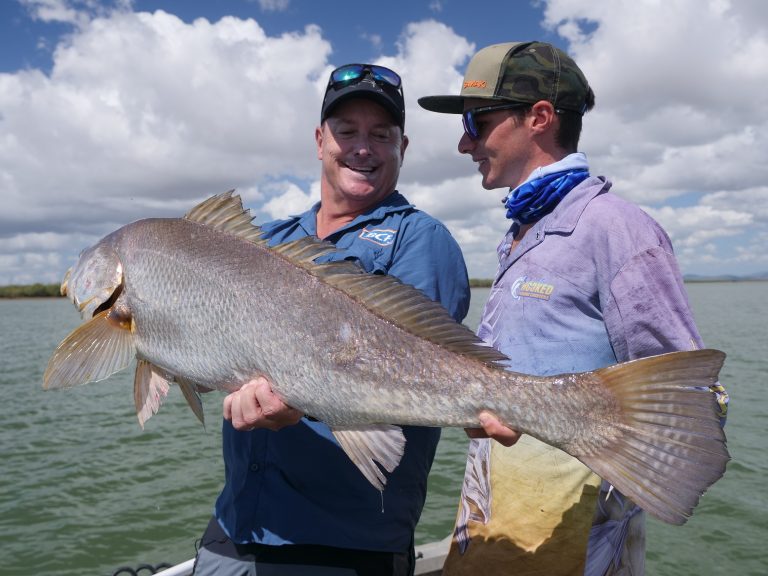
(296, 485)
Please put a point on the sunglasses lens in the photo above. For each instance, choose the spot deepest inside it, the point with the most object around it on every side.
(385, 75)
(347, 73)
(468, 120)
(352, 72)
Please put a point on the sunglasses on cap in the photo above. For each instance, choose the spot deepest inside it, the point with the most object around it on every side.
(354, 73)
(468, 116)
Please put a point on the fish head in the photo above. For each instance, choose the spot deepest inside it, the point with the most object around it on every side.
(95, 281)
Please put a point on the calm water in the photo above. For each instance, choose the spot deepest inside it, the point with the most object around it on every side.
(84, 491)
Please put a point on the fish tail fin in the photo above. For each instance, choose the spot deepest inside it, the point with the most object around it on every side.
(91, 352)
(666, 446)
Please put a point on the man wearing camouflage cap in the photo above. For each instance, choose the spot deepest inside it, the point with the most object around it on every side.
(585, 280)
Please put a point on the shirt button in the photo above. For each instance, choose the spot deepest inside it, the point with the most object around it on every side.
(254, 467)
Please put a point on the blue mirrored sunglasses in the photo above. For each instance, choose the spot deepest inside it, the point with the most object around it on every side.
(468, 116)
(354, 73)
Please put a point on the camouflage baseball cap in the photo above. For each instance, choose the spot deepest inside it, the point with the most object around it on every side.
(518, 72)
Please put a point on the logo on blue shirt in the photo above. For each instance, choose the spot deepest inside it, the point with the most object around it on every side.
(380, 236)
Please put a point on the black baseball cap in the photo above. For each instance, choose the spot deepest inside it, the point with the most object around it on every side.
(377, 83)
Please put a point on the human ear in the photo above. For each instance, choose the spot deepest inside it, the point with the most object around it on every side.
(542, 116)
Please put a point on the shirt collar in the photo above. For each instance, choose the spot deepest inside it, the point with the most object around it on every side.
(574, 161)
(566, 215)
(395, 202)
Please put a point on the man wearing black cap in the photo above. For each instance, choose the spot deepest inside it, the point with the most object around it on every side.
(585, 280)
(293, 502)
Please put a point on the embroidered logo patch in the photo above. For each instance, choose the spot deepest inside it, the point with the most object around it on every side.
(380, 236)
(524, 288)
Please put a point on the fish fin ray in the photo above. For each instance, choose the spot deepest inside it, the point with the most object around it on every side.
(225, 212)
(371, 446)
(647, 442)
(150, 388)
(91, 352)
(414, 312)
(304, 251)
(192, 396)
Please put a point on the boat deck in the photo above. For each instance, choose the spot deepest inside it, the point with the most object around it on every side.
(430, 558)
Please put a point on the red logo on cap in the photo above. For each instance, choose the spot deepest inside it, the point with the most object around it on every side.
(475, 84)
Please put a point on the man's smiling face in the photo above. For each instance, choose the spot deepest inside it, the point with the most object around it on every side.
(362, 149)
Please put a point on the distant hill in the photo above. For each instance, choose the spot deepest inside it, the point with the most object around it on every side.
(726, 277)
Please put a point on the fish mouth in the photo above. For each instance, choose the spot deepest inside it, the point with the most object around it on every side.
(97, 303)
(106, 304)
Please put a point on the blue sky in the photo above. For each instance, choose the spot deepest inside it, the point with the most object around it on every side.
(116, 110)
(358, 30)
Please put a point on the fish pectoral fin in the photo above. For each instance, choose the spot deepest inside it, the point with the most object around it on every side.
(91, 352)
(371, 446)
(192, 395)
(150, 387)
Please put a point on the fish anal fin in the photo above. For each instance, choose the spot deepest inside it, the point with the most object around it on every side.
(150, 387)
(91, 352)
(371, 446)
(192, 396)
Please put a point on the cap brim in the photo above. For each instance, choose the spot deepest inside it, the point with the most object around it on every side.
(362, 90)
(453, 104)
(444, 104)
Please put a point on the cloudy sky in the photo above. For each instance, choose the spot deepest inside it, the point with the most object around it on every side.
(115, 110)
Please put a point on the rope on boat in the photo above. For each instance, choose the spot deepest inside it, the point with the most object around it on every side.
(141, 569)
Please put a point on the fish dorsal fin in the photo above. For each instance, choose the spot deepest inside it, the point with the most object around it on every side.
(225, 212)
(386, 296)
(304, 251)
(389, 298)
(410, 309)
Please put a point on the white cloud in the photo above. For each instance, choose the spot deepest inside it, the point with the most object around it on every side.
(678, 113)
(54, 11)
(675, 85)
(140, 106)
(289, 200)
(274, 5)
(143, 114)
(436, 6)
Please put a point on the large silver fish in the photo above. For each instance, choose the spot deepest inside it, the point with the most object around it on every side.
(202, 300)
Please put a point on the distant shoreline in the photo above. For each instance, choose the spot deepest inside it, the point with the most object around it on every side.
(31, 291)
(19, 291)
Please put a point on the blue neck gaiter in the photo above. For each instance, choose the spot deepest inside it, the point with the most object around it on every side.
(536, 198)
